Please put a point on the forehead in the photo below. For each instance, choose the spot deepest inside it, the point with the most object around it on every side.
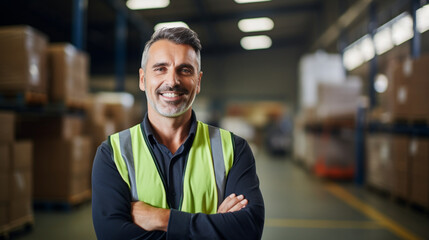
(165, 50)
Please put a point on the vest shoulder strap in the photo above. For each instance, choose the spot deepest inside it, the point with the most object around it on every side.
(223, 156)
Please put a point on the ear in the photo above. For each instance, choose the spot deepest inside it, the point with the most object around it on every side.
(141, 79)
(200, 76)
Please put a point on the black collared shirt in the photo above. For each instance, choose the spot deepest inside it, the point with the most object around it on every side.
(111, 196)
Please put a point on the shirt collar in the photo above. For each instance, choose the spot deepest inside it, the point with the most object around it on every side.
(147, 128)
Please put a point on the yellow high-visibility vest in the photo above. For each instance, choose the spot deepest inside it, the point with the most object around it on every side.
(209, 161)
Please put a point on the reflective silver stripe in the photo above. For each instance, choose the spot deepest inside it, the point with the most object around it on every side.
(127, 155)
(218, 162)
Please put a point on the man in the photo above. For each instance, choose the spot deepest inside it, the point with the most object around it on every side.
(173, 177)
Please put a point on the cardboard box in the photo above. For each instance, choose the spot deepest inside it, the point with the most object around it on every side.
(7, 126)
(68, 73)
(338, 99)
(379, 161)
(408, 90)
(4, 187)
(4, 213)
(420, 190)
(33, 126)
(4, 157)
(419, 85)
(62, 155)
(16, 155)
(22, 154)
(61, 187)
(419, 152)
(20, 208)
(120, 115)
(57, 163)
(21, 184)
(401, 164)
(22, 60)
(79, 184)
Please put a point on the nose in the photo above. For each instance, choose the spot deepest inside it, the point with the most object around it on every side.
(172, 79)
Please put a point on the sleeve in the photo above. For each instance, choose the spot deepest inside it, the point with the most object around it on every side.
(111, 201)
(247, 223)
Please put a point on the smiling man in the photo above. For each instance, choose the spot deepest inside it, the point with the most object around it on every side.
(172, 176)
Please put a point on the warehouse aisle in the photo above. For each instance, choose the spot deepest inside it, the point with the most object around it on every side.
(301, 206)
(298, 206)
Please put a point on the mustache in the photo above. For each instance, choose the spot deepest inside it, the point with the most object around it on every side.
(175, 88)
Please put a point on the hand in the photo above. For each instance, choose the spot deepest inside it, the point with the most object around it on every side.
(232, 203)
(149, 218)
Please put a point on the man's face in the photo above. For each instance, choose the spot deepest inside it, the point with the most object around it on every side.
(171, 80)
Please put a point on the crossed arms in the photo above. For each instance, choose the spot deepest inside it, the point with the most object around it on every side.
(156, 219)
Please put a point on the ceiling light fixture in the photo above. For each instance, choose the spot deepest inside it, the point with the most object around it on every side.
(256, 24)
(402, 29)
(147, 4)
(383, 40)
(352, 57)
(423, 18)
(366, 46)
(256, 42)
(250, 1)
(170, 25)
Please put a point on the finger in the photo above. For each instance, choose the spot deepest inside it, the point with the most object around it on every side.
(239, 206)
(230, 202)
(227, 203)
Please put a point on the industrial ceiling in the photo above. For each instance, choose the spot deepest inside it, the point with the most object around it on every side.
(307, 24)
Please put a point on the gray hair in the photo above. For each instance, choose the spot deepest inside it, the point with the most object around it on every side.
(178, 35)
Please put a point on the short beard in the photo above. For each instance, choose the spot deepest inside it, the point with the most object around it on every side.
(176, 112)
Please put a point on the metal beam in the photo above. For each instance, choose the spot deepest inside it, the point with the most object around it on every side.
(373, 64)
(78, 23)
(415, 41)
(204, 15)
(120, 51)
(144, 27)
(332, 32)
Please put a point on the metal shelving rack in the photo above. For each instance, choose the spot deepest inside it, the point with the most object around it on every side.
(363, 126)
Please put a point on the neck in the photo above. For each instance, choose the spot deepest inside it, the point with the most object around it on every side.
(171, 131)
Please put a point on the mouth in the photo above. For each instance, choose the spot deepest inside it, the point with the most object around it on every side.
(171, 96)
(173, 93)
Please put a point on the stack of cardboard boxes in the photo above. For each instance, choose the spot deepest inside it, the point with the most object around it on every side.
(399, 165)
(62, 156)
(338, 100)
(16, 163)
(407, 92)
(68, 74)
(22, 60)
(325, 133)
(29, 64)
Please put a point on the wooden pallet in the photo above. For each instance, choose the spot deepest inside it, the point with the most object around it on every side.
(21, 224)
(397, 199)
(22, 99)
(379, 191)
(66, 204)
(411, 121)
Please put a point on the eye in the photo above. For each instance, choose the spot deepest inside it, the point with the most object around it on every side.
(186, 71)
(159, 69)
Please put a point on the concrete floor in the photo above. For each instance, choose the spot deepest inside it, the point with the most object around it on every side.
(298, 206)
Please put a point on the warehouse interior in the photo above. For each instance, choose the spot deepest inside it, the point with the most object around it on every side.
(332, 96)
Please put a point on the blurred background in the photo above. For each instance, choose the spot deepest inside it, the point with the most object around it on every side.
(332, 96)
